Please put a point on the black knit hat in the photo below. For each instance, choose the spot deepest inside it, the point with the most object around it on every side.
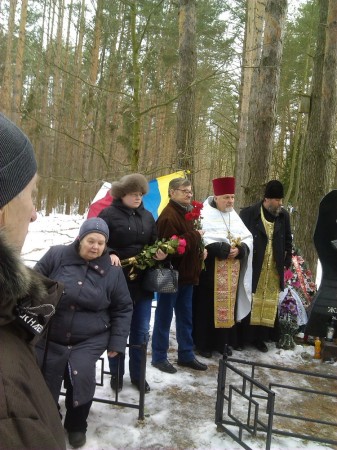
(94, 225)
(17, 161)
(274, 189)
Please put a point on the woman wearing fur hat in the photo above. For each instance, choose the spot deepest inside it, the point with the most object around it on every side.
(94, 315)
(131, 227)
(28, 416)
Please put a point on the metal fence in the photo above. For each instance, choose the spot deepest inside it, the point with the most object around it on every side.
(246, 407)
(105, 374)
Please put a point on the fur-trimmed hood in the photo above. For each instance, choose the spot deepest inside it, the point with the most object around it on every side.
(135, 182)
(18, 282)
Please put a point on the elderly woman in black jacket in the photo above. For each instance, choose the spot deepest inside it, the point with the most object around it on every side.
(131, 227)
(94, 315)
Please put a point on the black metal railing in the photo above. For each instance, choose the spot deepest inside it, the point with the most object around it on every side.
(261, 401)
(141, 403)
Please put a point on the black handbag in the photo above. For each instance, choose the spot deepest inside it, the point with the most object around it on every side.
(161, 279)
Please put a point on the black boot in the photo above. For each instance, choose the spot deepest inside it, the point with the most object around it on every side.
(113, 383)
(136, 383)
(76, 438)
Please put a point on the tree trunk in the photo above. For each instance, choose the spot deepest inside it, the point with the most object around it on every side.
(49, 134)
(69, 160)
(251, 56)
(55, 166)
(135, 143)
(317, 173)
(6, 87)
(116, 153)
(18, 77)
(185, 139)
(298, 138)
(263, 118)
(294, 157)
(90, 108)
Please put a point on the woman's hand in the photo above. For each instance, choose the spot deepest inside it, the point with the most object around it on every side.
(112, 354)
(115, 261)
(160, 255)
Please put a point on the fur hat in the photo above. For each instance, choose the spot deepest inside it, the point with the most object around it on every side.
(225, 185)
(17, 161)
(274, 189)
(134, 182)
(94, 225)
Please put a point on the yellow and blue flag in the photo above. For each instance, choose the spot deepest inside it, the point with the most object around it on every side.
(157, 197)
(154, 201)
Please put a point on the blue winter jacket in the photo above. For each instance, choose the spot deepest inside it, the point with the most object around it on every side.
(93, 315)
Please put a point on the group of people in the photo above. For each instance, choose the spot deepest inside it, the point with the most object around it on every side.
(79, 302)
(236, 300)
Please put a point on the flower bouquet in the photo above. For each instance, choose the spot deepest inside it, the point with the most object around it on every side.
(300, 277)
(288, 313)
(195, 216)
(145, 258)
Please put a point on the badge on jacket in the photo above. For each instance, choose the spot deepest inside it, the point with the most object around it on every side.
(33, 318)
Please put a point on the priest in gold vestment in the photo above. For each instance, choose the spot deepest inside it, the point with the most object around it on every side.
(223, 296)
(269, 224)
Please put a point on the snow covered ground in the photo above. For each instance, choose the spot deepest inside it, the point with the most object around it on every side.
(180, 409)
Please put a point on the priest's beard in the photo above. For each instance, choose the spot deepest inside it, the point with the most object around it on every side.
(229, 209)
(274, 210)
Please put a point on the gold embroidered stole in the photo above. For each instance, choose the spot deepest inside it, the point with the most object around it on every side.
(226, 278)
(265, 299)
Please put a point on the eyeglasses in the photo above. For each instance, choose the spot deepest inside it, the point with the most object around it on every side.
(185, 191)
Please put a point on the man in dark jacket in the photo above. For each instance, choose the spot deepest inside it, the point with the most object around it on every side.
(28, 415)
(269, 224)
(172, 221)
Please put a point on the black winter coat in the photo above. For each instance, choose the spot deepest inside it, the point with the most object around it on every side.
(94, 315)
(282, 241)
(129, 231)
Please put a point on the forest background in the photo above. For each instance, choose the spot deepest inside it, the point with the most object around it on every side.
(217, 88)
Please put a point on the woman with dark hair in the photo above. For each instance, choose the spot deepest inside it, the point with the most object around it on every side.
(131, 227)
(94, 315)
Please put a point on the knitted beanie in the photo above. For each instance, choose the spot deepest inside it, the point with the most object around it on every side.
(17, 161)
(94, 225)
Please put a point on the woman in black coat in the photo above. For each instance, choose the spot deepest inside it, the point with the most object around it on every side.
(94, 315)
(131, 227)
